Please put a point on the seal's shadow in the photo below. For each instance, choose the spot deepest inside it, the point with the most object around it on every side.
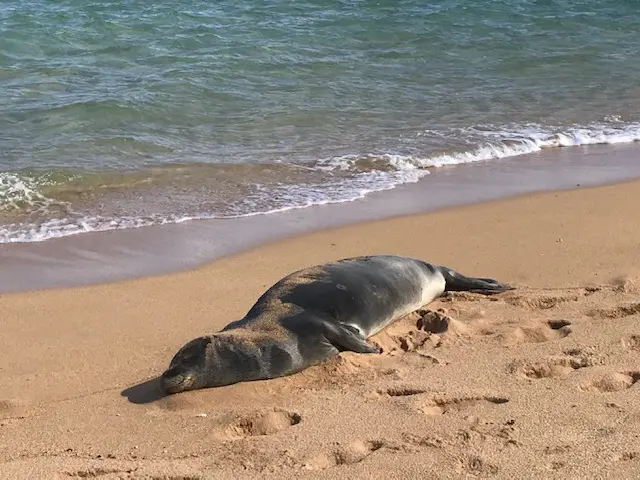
(145, 392)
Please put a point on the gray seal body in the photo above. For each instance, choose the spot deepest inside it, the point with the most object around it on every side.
(312, 315)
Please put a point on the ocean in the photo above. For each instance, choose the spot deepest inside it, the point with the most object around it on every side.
(123, 114)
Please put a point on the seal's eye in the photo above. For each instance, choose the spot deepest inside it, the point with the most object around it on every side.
(190, 357)
(193, 354)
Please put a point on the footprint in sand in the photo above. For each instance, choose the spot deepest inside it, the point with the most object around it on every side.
(554, 367)
(627, 456)
(631, 343)
(440, 406)
(438, 322)
(428, 441)
(348, 454)
(611, 382)
(418, 333)
(401, 391)
(8, 406)
(101, 472)
(423, 330)
(407, 342)
(620, 311)
(542, 302)
(176, 404)
(433, 321)
(626, 284)
(475, 465)
(261, 423)
(12, 409)
(537, 333)
(232, 426)
(461, 296)
(437, 404)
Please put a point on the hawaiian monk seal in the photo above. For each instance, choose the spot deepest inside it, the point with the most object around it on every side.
(312, 315)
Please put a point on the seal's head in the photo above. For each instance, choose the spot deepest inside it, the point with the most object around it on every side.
(189, 367)
(211, 361)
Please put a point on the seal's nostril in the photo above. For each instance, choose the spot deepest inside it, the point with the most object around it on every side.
(176, 380)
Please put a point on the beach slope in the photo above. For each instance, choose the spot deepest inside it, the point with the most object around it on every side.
(542, 381)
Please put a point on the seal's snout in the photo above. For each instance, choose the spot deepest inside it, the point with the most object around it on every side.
(186, 367)
(178, 379)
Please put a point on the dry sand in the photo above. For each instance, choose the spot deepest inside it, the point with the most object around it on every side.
(539, 382)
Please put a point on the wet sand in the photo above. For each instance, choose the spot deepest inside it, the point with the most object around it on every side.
(539, 382)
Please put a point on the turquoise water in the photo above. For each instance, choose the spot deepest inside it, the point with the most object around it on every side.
(123, 114)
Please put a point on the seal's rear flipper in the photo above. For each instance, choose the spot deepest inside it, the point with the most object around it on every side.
(346, 337)
(456, 282)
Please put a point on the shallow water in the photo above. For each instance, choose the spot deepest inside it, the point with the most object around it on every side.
(118, 115)
(118, 254)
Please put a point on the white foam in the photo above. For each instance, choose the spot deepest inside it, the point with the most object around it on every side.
(543, 137)
(499, 142)
(18, 191)
(356, 177)
(56, 228)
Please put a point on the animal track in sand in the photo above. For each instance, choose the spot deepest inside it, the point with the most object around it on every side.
(553, 367)
(462, 296)
(100, 472)
(542, 332)
(632, 342)
(411, 341)
(475, 465)
(401, 391)
(433, 321)
(440, 405)
(557, 449)
(178, 403)
(418, 333)
(590, 290)
(480, 431)
(12, 410)
(6, 405)
(611, 382)
(627, 456)
(123, 473)
(9, 406)
(558, 324)
(438, 322)
(626, 284)
(348, 454)
(337, 372)
(542, 302)
(620, 311)
(429, 441)
(261, 423)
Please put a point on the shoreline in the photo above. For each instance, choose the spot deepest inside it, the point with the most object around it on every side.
(561, 350)
(116, 255)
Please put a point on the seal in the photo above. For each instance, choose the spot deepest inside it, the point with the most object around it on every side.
(313, 314)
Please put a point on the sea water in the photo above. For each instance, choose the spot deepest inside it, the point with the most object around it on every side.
(121, 114)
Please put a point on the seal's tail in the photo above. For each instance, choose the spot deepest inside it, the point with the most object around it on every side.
(456, 282)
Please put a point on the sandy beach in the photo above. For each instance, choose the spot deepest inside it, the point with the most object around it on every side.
(539, 382)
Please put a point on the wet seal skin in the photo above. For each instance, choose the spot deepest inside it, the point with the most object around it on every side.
(313, 314)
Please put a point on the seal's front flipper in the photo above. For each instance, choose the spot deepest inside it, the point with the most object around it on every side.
(346, 337)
